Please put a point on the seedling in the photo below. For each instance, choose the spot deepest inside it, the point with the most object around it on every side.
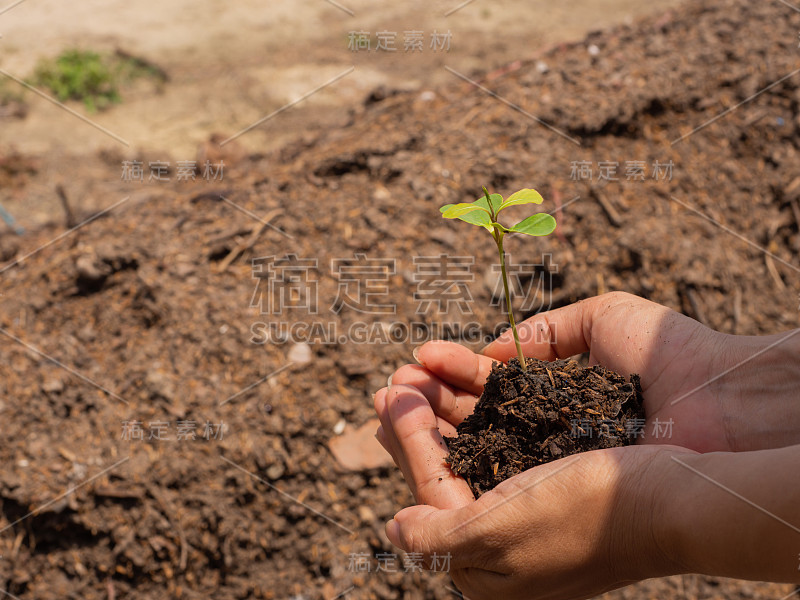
(483, 213)
(521, 419)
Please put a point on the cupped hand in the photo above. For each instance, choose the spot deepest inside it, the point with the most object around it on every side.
(575, 527)
(587, 523)
(569, 529)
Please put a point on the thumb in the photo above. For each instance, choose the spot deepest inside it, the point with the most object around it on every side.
(430, 532)
(455, 364)
(554, 334)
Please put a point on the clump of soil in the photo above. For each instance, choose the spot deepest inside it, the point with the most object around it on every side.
(554, 410)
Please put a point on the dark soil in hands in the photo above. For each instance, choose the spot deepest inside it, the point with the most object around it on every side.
(554, 410)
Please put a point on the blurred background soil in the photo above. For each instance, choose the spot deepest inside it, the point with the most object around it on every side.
(232, 63)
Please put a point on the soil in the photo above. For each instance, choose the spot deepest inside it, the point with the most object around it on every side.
(146, 313)
(551, 411)
(231, 64)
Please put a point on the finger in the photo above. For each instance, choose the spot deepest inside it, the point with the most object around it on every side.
(423, 450)
(558, 333)
(456, 365)
(389, 439)
(381, 437)
(449, 403)
(423, 529)
(445, 428)
(429, 531)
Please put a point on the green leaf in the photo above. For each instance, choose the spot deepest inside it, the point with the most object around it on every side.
(526, 196)
(502, 228)
(496, 199)
(454, 211)
(468, 212)
(538, 224)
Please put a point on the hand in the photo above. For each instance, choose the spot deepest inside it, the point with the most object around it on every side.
(589, 523)
(720, 392)
(593, 523)
(573, 528)
(672, 354)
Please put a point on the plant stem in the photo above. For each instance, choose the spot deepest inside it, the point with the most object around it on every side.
(498, 237)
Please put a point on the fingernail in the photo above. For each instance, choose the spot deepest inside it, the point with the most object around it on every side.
(415, 354)
(389, 382)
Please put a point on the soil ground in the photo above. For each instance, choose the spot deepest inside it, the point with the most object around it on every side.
(231, 64)
(150, 314)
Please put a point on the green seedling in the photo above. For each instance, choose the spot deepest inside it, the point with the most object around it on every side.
(484, 212)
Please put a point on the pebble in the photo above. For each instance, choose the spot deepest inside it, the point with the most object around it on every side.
(366, 514)
(275, 471)
(160, 383)
(300, 354)
(381, 193)
(91, 269)
(53, 386)
(338, 429)
(358, 450)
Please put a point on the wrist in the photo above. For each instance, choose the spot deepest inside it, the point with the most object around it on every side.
(645, 535)
(671, 503)
(730, 514)
(757, 383)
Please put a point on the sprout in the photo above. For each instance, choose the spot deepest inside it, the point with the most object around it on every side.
(483, 212)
